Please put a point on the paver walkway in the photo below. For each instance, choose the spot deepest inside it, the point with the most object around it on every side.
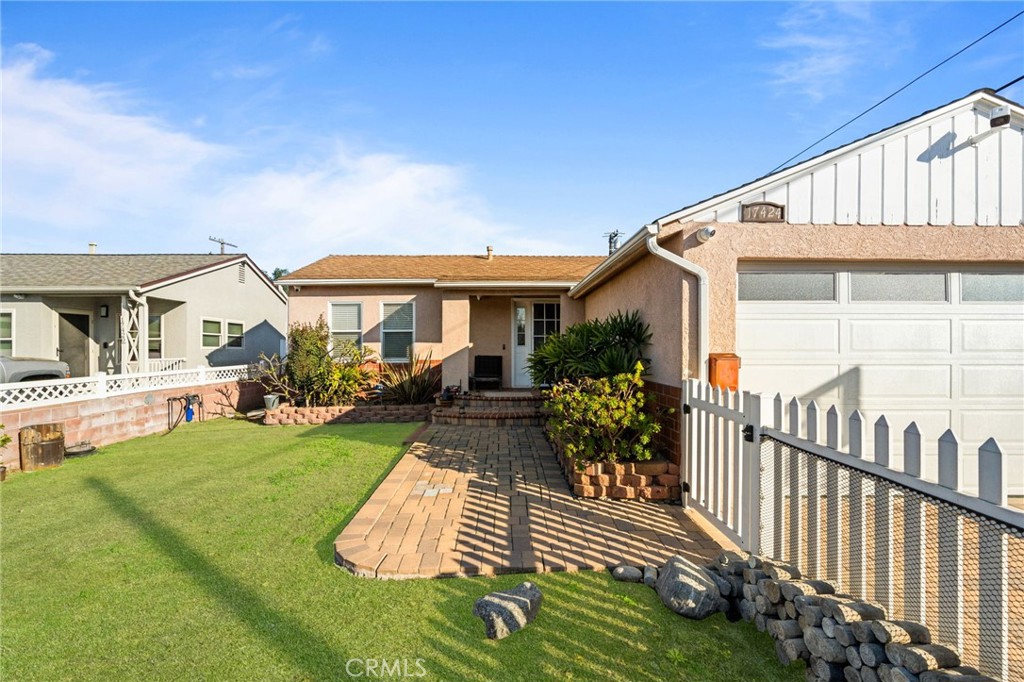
(468, 500)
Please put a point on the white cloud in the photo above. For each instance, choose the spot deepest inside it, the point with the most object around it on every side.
(245, 72)
(824, 44)
(81, 164)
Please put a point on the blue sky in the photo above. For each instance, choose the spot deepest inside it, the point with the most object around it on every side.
(296, 130)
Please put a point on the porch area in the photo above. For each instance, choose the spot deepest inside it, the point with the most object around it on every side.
(471, 500)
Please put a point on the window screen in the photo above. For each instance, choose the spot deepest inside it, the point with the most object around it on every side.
(993, 287)
(156, 343)
(347, 323)
(236, 335)
(898, 286)
(397, 331)
(211, 333)
(787, 286)
(6, 334)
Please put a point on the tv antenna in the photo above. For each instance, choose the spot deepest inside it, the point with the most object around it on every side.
(222, 244)
(613, 241)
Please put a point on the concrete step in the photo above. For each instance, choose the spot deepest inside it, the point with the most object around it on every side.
(488, 416)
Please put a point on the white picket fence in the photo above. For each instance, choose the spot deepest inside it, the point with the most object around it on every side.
(58, 391)
(927, 550)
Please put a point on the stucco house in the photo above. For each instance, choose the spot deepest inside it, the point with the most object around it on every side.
(139, 312)
(453, 307)
(886, 275)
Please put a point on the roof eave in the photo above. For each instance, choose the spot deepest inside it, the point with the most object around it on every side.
(506, 284)
(309, 282)
(625, 255)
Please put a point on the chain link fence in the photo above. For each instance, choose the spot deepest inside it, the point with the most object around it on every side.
(922, 558)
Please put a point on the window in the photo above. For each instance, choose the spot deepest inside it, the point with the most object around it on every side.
(212, 333)
(398, 322)
(236, 335)
(156, 336)
(6, 335)
(898, 286)
(992, 287)
(787, 286)
(546, 318)
(347, 323)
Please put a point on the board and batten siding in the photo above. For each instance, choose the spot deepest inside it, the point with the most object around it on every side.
(925, 174)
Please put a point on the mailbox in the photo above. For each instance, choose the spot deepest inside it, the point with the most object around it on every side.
(724, 370)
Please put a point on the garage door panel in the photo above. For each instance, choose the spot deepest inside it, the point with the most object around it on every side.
(806, 382)
(808, 336)
(905, 381)
(992, 381)
(899, 336)
(999, 336)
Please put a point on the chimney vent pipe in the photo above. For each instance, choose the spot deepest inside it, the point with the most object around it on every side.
(490, 253)
(92, 248)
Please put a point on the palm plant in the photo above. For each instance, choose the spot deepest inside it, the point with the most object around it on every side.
(410, 383)
(594, 349)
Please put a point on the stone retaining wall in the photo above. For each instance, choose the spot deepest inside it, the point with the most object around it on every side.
(115, 418)
(839, 637)
(287, 415)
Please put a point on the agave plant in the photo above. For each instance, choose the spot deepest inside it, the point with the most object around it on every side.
(410, 383)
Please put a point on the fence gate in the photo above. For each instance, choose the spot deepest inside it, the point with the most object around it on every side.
(721, 441)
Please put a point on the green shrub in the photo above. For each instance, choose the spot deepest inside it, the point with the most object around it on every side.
(592, 349)
(321, 375)
(602, 420)
(410, 383)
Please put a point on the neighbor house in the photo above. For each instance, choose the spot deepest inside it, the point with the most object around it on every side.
(139, 312)
(453, 308)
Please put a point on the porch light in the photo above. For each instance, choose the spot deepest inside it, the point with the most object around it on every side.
(104, 311)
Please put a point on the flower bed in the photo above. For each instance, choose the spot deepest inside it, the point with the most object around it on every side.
(348, 414)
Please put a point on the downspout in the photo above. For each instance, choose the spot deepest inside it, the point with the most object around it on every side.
(703, 322)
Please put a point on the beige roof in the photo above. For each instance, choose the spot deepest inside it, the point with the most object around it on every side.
(27, 270)
(449, 268)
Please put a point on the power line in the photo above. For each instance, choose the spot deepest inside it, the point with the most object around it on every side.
(875, 106)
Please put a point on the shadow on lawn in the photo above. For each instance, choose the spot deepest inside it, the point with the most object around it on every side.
(304, 648)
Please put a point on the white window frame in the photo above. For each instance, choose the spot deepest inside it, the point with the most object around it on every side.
(227, 336)
(203, 334)
(412, 330)
(12, 314)
(160, 337)
(330, 323)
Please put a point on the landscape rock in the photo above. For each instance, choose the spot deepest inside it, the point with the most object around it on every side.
(687, 589)
(628, 574)
(506, 612)
(650, 576)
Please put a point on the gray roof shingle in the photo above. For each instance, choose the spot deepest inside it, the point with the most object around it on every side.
(27, 270)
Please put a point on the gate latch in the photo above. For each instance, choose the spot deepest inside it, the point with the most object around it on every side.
(748, 433)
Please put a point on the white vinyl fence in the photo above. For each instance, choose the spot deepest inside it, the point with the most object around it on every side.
(57, 391)
(925, 550)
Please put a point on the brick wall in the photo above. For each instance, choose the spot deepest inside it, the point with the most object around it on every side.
(103, 421)
(288, 415)
(668, 441)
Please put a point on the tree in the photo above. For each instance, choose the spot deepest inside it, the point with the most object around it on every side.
(278, 273)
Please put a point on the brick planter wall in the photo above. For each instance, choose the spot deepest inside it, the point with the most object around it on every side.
(112, 419)
(656, 480)
(668, 440)
(288, 415)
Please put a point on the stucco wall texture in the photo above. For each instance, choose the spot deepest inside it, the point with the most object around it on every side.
(668, 296)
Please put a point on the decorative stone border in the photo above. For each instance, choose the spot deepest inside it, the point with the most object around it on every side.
(656, 480)
(287, 415)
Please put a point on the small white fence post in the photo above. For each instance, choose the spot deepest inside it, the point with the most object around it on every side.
(858, 546)
(883, 521)
(751, 528)
(813, 496)
(914, 532)
(993, 563)
(833, 515)
(778, 497)
(950, 542)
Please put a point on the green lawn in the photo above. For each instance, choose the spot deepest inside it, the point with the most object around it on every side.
(207, 554)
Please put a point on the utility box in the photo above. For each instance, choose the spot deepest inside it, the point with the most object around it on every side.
(724, 370)
(41, 446)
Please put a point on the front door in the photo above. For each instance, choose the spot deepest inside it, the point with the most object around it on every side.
(532, 323)
(73, 337)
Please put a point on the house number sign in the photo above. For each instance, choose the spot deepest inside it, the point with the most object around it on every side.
(763, 212)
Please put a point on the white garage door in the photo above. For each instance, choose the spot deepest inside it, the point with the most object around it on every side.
(943, 348)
